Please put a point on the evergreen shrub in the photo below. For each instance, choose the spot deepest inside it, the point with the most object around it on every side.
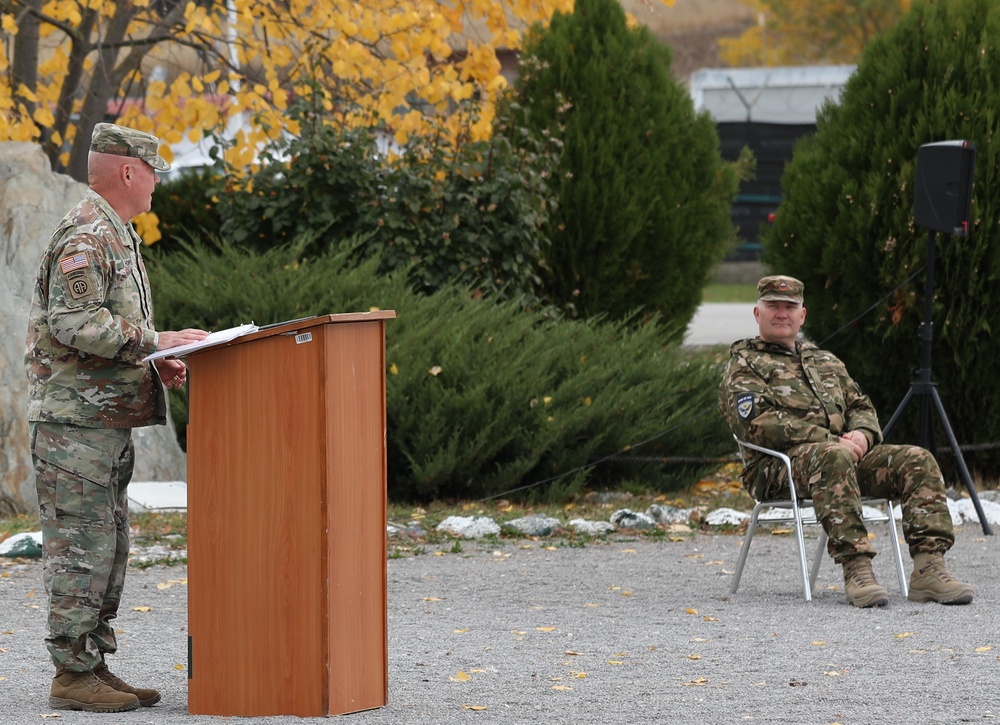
(483, 397)
(846, 226)
(185, 207)
(643, 194)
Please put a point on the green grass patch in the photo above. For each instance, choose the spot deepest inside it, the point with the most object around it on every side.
(730, 292)
(167, 529)
(18, 524)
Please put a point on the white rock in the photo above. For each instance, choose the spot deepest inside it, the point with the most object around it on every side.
(591, 528)
(964, 511)
(469, 527)
(629, 519)
(669, 514)
(535, 525)
(726, 517)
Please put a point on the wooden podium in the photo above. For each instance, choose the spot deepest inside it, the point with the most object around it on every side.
(286, 520)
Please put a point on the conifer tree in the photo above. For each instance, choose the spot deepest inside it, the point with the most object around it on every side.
(846, 224)
(643, 193)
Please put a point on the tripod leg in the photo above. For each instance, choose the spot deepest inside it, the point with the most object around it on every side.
(963, 470)
(899, 412)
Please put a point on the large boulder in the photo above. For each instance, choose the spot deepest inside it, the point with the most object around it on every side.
(32, 201)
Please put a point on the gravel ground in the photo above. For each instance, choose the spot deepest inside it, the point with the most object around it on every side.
(614, 632)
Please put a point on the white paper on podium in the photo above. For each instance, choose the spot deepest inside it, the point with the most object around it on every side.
(214, 338)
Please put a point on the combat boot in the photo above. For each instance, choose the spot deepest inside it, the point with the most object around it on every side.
(860, 585)
(85, 691)
(932, 582)
(147, 696)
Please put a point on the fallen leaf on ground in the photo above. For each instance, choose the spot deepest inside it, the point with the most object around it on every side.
(473, 707)
(461, 677)
(142, 609)
(696, 682)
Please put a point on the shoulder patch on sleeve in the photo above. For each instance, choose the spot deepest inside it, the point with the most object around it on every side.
(744, 406)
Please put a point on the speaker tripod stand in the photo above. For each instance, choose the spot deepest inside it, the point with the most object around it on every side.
(925, 390)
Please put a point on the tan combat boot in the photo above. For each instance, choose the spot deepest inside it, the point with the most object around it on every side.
(860, 585)
(85, 691)
(932, 582)
(147, 696)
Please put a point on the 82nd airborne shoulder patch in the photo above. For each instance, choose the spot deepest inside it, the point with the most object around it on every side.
(75, 268)
(744, 406)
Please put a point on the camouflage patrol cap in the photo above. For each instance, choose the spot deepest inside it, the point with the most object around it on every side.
(780, 287)
(122, 141)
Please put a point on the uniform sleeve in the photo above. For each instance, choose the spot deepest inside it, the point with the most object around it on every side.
(79, 280)
(861, 414)
(755, 413)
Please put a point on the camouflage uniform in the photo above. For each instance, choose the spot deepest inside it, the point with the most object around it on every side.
(90, 326)
(801, 402)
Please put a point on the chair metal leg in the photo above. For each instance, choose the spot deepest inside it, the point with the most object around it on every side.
(803, 560)
(894, 534)
(818, 558)
(751, 527)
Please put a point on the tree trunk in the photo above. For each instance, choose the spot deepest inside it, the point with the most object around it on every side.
(24, 65)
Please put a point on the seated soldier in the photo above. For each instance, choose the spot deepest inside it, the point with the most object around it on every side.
(782, 393)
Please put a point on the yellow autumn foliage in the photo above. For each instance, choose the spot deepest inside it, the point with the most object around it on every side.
(793, 32)
(189, 67)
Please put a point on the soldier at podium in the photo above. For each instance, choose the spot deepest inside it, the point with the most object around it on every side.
(90, 326)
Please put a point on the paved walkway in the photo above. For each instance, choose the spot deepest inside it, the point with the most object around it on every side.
(721, 323)
(614, 633)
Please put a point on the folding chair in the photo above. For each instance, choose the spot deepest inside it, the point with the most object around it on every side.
(793, 507)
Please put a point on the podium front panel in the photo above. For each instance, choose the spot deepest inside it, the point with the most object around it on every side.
(286, 524)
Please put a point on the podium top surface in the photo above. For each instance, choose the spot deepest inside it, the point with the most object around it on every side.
(291, 327)
(283, 328)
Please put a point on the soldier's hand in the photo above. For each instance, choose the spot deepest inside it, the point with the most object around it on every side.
(172, 372)
(171, 339)
(857, 442)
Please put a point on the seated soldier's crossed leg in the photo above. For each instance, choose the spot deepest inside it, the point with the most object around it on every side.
(828, 474)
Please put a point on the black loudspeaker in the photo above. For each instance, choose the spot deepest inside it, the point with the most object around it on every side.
(943, 197)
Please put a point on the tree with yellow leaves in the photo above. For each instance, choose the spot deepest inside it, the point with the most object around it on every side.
(176, 68)
(793, 32)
